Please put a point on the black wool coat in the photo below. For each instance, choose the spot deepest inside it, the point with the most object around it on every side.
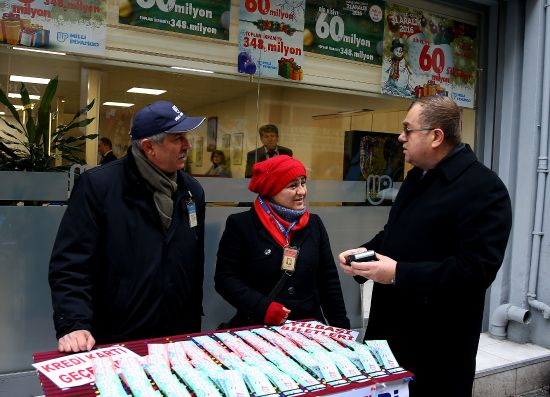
(260, 155)
(249, 266)
(114, 271)
(448, 232)
(110, 156)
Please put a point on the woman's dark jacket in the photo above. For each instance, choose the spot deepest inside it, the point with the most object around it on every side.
(114, 271)
(249, 266)
(448, 231)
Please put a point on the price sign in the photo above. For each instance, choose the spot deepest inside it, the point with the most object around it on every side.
(263, 6)
(434, 61)
(427, 54)
(199, 17)
(346, 29)
(271, 38)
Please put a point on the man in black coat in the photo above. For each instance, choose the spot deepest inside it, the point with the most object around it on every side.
(128, 260)
(105, 149)
(439, 251)
(269, 135)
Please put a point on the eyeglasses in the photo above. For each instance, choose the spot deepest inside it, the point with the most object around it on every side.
(407, 130)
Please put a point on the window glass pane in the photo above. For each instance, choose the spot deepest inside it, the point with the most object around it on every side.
(66, 101)
(342, 137)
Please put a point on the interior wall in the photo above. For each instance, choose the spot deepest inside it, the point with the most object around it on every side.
(312, 123)
(235, 116)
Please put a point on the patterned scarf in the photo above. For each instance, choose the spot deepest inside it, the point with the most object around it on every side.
(286, 213)
(161, 184)
(271, 226)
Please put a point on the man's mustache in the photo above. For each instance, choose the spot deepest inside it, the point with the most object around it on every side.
(182, 154)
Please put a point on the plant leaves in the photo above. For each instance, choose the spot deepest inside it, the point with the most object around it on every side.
(35, 135)
(7, 150)
(83, 111)
(44, 113)
(6, 102)
(78, 124)
(12, 127)
(27, 108)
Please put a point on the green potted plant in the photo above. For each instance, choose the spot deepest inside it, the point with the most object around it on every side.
(25, 145)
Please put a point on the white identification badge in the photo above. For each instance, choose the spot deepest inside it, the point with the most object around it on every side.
(192, 211)
(290, 255)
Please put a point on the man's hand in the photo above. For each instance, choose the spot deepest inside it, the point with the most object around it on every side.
(381, 271)
(342, 259)
(76, 341)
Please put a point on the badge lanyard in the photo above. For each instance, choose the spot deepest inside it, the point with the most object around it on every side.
(191, 210)
(290, 254)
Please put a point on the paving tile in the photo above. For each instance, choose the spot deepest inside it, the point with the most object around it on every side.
(485, 339)
(532, 377)
(516, 352)
(502, 384)
(486, 361)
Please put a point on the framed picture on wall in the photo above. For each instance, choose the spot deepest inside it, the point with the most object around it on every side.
(226, 144)
(199, 146)
(372, 153)
(191, 153)
(377, 158)
(211, 134)
(237, 148)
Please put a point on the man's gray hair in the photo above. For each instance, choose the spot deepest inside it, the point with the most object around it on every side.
(157, 138)
(441, 112)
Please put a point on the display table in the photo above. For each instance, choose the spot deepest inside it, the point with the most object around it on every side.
(384, 383)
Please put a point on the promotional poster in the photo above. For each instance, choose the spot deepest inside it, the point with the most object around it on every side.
(199, 17)
(348, 29)
(271, 38)
(76, 26)
(426, 54)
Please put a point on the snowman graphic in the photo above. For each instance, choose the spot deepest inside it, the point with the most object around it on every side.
(398, 71)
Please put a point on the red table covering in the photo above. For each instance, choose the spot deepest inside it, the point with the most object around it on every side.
(140, 347)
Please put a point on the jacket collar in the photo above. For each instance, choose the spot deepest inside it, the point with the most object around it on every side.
(456, 162)
(450, 168)
(133, 183)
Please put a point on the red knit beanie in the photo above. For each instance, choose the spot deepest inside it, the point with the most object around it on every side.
(271, 176)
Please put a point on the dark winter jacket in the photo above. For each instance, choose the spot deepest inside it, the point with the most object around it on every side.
(114, 271)
(258, 155)
(448, 232)
(249, 266)
(109, 156)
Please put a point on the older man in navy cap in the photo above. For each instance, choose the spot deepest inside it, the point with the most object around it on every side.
(128, 260)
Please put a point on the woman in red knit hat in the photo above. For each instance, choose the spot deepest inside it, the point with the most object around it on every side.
(274, 261)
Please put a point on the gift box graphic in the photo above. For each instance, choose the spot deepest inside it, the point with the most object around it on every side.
(289, 69)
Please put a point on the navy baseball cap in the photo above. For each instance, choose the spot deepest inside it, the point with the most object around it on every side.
(162, 116)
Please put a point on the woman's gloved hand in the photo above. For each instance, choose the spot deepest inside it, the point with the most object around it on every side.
(276, 314)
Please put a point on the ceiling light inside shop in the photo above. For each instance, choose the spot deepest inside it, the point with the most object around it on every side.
(14, 95)
(121, 104)
(28, 79)
(192, 70)
(21, 107)
(42, 51)
(2, 113)
(147, 91)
